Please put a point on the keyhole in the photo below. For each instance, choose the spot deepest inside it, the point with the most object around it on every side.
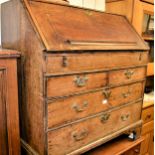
(140, 57)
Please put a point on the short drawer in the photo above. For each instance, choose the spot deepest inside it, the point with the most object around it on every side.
(67, 139)
(148, 114)
(60, 63)
(127, 75)
(70, 84)
(79, 106)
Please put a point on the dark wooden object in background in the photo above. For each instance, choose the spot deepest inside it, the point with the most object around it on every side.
(83, 74)
(118, 146)
(9, 116)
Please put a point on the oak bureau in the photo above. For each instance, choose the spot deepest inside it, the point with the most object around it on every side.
(82, 74)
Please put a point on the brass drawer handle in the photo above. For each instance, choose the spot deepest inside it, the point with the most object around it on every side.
(107, 93)
(105, 117)
(80, 136)
(125, 95)
(81, 81)
(125, 117)
(128, 74)
(77, 108)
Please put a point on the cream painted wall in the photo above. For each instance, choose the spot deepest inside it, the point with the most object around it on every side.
(92, 4)
(1, 1)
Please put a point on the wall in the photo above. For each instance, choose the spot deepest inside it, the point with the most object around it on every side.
(1, 1)
(92, 4)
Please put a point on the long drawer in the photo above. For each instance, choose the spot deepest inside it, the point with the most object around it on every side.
(80, 106)
(67, 139)
(71, 84)
(66, 63)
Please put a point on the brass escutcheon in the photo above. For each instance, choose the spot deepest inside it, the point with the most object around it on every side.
(125, 95)
(105, 117)
(81, 135)
(129, 74)
(81, 81)
(125, 117)
(107, 93)
(64, 61)
(89, 12)
(77, 108)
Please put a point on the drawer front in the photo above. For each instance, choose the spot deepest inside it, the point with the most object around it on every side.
(148, 127)
(127, 75)
(59, 63)
(66, 85)
(80, 134)
(133, 151)
(148, 114)
(80, 106)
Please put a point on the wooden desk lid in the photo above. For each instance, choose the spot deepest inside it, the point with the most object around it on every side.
(64, 27)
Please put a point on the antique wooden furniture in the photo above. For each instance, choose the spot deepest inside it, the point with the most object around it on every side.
(141, 9)
(132, 9)
(148, 129)
(135, 11)
(9, 116)
(121, 7)
(118, 146)
(82, 72)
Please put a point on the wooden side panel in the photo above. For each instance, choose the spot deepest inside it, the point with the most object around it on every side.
(20, 35)
(32, 108)
(3, 124)
(11, 104)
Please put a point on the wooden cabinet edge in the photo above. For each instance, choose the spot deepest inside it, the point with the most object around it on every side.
(150, 69)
